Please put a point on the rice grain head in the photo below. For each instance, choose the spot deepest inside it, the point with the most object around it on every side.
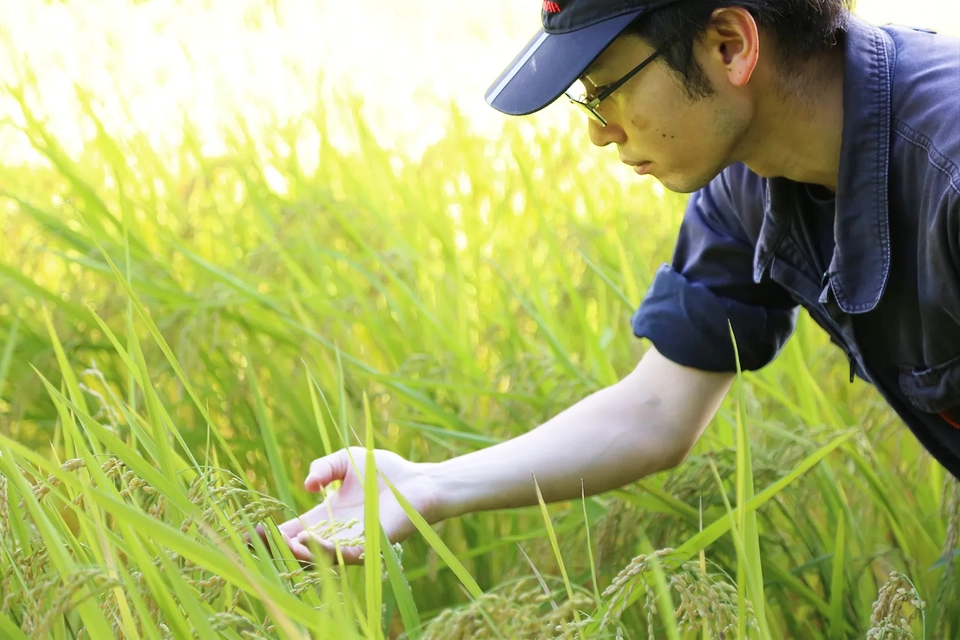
(705, 600)
(898, 604)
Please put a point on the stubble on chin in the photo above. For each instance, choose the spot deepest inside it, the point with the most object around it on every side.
(686, 185)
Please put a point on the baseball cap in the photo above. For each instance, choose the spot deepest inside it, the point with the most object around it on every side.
(574, 34)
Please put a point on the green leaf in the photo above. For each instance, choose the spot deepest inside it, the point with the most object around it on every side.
(371, 527)
(556, 547)
(65, 565)
(721, 526)
(750, 566)
(10, 630)
(402, 592)
(435, 542)
(837, 588)
(7, 355)
(277, 464)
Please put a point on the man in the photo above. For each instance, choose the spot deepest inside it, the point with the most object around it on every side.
(823, 158)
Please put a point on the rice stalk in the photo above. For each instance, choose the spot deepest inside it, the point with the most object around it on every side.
(949, 509)
(517, 610)
(898, 604)
(704, 599)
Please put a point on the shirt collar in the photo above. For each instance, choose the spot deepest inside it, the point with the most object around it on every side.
(861, 260)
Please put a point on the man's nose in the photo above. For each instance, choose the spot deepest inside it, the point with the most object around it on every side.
(603, 135)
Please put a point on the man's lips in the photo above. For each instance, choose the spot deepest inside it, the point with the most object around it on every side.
(641, 168)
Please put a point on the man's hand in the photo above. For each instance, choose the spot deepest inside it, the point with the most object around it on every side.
(319, 527)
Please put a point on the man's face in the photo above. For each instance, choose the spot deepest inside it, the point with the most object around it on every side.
(652, 119)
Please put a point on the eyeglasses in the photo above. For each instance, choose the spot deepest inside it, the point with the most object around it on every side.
(590, 104)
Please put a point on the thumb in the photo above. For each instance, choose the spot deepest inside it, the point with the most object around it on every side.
(325, 470)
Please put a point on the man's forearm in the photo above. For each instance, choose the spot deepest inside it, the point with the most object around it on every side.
(611, 438)
(598, 440)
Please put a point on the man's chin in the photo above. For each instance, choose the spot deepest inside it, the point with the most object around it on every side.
(670, 183)
(683, 184)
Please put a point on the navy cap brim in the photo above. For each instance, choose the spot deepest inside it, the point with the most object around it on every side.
(550, 64)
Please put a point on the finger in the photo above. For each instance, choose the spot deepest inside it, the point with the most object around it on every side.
(264, 537)
(325, 470)
(300, 551)
(313, 517)
(351, 555)
(262, 534)
(260, 531)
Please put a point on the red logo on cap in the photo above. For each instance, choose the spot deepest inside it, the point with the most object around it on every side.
(950, 421)
(551, 7)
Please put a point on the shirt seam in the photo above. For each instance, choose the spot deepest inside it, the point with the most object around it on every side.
(935, 158)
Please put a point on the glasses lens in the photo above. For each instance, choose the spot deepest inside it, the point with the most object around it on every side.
(580, 104)
(579, 89)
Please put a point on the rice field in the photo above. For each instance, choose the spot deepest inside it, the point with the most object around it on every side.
(191, 315)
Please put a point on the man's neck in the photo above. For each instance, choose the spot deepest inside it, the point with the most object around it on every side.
(797, 134)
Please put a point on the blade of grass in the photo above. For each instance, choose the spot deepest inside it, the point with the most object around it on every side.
(435, 542)
(137, 548)
(502, 542)
(189, 599)
(34, 289)
(552, 339)
(135, 373)
(9, 629)
(703, 566)
(318, 414)
(750, 567)
(206, 556)
(65, 565)
(123, 452)
(209, 557)
(277, 465)
(722, 525)
(837, 586)
(139, 604)
(371, 527)
(556, 547)
(586, 528)
(579, 314)
(8, 349)
(158, 338)
(66, 370)
(665, 607)
(402, 592)
(739, 543)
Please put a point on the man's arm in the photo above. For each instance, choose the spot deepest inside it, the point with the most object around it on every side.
(646, 423)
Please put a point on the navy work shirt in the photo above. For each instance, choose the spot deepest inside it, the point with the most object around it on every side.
(877, 266)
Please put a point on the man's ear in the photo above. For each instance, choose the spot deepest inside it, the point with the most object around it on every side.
(732, 44)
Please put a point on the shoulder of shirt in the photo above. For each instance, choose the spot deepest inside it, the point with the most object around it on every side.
(926, 104)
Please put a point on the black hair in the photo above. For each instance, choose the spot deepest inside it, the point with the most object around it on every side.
(802, 29)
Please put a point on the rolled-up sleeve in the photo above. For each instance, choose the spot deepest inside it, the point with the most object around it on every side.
(686, 311)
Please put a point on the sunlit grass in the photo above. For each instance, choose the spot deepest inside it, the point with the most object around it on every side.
(183, 332)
